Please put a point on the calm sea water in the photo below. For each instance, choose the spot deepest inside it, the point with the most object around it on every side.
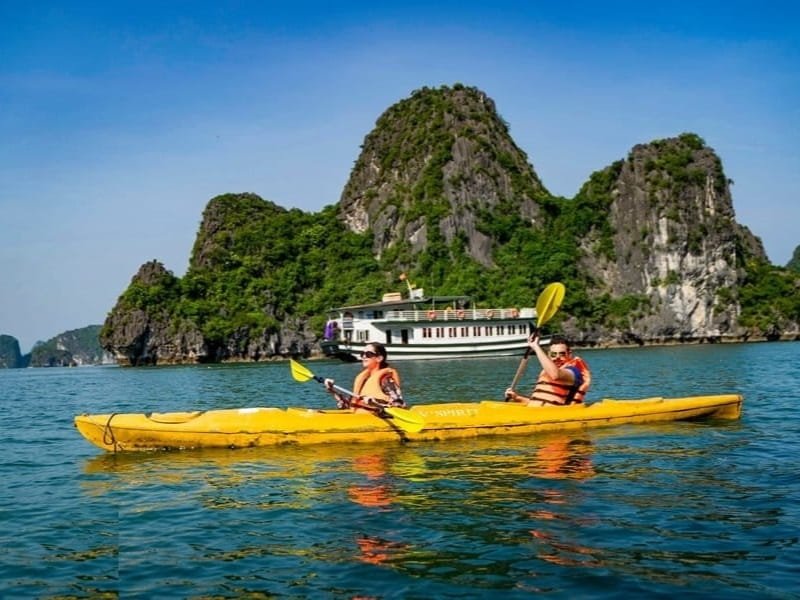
(692, 509)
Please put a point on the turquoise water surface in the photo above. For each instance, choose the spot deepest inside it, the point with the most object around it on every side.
(696, 509)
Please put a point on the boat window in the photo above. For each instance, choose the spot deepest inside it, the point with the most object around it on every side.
(488, 330)
(464, 331)
(476, 331)
(512, 329)
(377, 314)
(500, 330)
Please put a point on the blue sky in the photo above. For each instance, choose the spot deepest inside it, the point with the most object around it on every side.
(120, 120)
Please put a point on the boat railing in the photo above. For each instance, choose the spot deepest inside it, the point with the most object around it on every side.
(469, 314)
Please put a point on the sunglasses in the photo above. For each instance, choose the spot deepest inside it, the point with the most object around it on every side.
(557, 354)
(368, 354)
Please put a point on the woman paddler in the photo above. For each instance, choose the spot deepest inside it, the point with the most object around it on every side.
(376, 386)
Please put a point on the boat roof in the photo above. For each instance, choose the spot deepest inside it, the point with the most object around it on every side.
(403, 302)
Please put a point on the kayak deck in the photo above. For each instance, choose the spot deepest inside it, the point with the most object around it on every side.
(249, 427)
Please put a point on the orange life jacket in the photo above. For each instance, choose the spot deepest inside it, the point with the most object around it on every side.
(553, 391)
(370, 383)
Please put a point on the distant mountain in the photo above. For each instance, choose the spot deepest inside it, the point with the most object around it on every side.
(10, 357)
(70, 349)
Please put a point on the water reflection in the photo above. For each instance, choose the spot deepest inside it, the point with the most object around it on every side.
(376, 550)
(564, 457)
(371, 471)
(465, 479)
(375, 491)
(460, 512)
(565, 553)
(456, 480)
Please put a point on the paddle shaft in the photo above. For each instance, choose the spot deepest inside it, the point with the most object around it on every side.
(405, 419)
(523, 364)
(352, 395)
(336, 388)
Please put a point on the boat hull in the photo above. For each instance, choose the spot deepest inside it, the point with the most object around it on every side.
(250, 427)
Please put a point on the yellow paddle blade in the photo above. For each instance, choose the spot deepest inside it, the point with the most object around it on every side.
(406, 419)
(548, 303)
(299, 372)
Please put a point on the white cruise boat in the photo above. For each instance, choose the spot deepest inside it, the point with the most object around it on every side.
(420, 327)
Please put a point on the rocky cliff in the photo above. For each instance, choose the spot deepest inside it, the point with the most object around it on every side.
(433, 164)
(678, 252)
(139, 329)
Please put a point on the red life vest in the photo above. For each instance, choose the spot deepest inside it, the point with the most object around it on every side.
(372, 383)
(553, 391)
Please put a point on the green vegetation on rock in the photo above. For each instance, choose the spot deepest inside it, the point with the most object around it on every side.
(770, 298)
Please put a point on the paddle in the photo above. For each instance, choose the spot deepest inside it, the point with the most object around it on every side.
(546, 306)
(405, 419)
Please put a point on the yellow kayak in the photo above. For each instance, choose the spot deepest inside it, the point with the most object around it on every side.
(249, 427)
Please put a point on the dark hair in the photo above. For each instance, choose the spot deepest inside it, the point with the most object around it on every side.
(560, 339)
(380, 350)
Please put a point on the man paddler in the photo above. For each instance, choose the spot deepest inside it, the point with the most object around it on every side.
(564, 378)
